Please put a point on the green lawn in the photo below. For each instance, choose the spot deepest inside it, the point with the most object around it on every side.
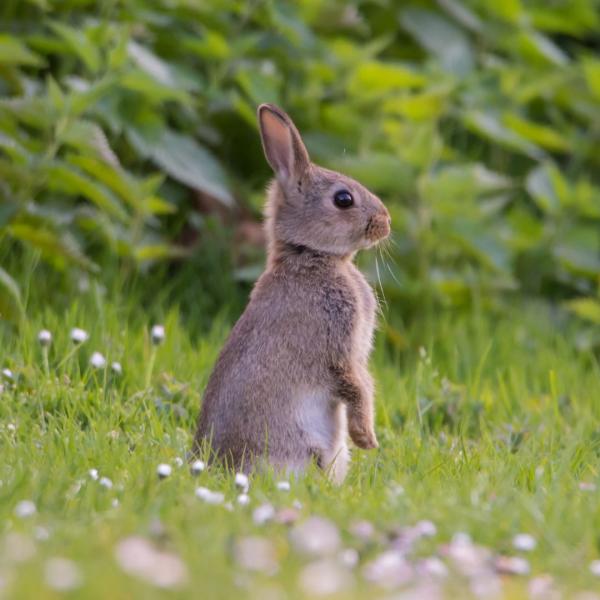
(492, 430)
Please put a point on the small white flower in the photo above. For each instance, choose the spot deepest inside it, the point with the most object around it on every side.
(209, 496)
(78, 336)
(434, 566)
(115, 502)
(8, 374)
(44, 337)
(24, 509)
(316, 536)
(263, 513)
(587, 486)
(62, 574)
(11, 427)
(93, 473)
(348, 557)
(243, 499)
(283, 486)
(178, 461)
(197, 467)
(297, 504)
(595, 568)
(97, 360)
(426, 528)
(116, 368)
(512, 565)
(524, 542)
(241, 481)
(41, 534)
(163, 470)
(157, 334)
(105, 482)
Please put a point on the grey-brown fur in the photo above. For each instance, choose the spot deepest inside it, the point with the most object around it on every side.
(292, 379)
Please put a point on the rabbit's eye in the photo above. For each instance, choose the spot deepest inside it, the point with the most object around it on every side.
(343, 199)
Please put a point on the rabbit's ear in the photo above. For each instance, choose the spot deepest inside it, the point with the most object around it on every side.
(282, 143)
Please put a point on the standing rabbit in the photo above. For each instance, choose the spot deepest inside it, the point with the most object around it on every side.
(292, 380)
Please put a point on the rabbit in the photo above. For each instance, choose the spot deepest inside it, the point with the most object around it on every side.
(292, 380)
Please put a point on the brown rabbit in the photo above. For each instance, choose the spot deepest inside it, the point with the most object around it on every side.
(292, 380)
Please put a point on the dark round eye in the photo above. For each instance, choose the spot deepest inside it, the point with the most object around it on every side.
(343, 199)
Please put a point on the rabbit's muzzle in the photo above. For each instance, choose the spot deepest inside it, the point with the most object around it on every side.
(378, 227)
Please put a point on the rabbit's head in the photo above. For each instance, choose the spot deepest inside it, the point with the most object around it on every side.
(310, 206)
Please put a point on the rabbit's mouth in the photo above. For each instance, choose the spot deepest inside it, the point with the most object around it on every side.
(378, 228)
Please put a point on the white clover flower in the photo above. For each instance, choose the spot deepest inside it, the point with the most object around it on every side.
(157, 334)
(25, 508)
(241, 481)
(178, 461)
(79, 336)
(512, 565)
(97, 360)
(348, 557)
(587, 486)
(62, 574)
(426, 528)
(524, 542)
(283, 486)
(263, 513)
(197, 467)
(163, 470)
(209, 496)
(243, 499)
(93, 473)
(595, 568)
(41, 533)
(44, 337)
(8, 374)
(116, 368)
(105, 482)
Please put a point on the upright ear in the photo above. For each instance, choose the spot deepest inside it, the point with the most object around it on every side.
(283, 146)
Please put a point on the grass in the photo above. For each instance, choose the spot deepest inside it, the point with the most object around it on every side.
(489, 430)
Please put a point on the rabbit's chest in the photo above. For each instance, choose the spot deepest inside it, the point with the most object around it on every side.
(364, 318)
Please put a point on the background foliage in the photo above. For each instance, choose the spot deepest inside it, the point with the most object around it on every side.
(128, 138)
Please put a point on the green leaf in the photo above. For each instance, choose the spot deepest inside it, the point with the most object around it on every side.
(79, 43)
(542, 135)
(186, 161)
(372, 78)
(489, 127)
(112, 176)
(14, 52)
(586, 308)
(440, 37)
(153, 252)
(12, 287)
(66, 179)
(161, 71)
(153, 90)
(479, 243)
(381, 172)
(591, 70)
(59, 250)
(539, 186)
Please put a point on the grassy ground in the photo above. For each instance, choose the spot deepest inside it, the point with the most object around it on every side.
(491, 430)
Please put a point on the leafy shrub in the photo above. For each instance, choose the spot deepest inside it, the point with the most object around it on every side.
(478, 123)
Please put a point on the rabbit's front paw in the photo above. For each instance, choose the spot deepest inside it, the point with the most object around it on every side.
(363, 437)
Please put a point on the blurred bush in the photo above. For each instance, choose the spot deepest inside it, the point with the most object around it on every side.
(126, 126)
